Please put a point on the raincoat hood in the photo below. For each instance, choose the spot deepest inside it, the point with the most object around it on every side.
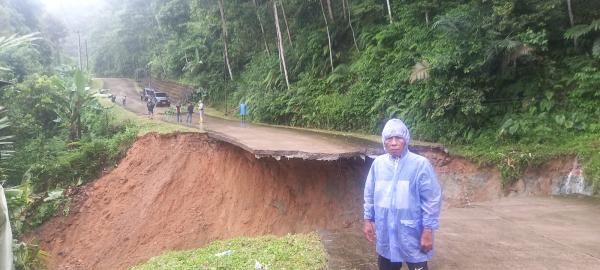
(395, 127)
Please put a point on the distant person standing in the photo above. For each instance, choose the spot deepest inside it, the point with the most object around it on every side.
(201, 111)
(243, 112)
(178, 111)
(190, 110)
(124, 100)
(150, 105)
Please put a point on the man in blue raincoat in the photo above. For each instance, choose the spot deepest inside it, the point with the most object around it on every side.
(402, 201)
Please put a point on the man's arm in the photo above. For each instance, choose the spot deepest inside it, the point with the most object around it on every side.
(431, 200)
(369, 211)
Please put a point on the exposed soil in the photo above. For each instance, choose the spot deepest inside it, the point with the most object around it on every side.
(182, 191)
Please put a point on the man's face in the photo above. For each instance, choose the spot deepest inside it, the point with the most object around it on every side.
(394, 145)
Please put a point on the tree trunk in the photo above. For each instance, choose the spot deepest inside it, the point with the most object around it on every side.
(330, 11)
(280, 41)
(287, 28)
(348, 8)
(225, 38)
(262, 29)
(389, 10)
(328, 35)
(344, 7)
(427, 17)
(571, 20)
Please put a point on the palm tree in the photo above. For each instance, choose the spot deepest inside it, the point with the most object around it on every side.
(15, 41)
(5, 44)
(4, 140)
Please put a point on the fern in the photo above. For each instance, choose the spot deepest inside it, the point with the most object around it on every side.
(420, 71)
(580, 30)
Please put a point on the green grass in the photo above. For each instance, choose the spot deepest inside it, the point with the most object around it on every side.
(301, 251)
(143, 123)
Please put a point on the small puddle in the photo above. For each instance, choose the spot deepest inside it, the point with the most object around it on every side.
(347, 248)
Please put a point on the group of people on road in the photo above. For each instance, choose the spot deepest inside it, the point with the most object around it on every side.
(113, 98)
(190, 112)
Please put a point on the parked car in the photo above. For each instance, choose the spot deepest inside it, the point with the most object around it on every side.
(162, 99)
(103, 93)
(148, 93)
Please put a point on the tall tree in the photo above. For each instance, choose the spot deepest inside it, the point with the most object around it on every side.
(330, 10)
(280, 42)
(328, 35)
(348, 8)
(571, 19)
(225, 36)
(389, 9)
(262, 29)
(287, 28)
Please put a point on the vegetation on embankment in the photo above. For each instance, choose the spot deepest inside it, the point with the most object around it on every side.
(513, 158)
(300, 251)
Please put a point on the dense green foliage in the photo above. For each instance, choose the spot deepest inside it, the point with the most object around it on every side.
(509, 71)
(46, 165)
(503, 65)
(23, 17)
(54, 136)
(301, 251)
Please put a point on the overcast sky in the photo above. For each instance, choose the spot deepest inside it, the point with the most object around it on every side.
(57, 5)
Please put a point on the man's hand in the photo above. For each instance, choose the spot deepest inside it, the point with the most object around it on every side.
(426, 240)
(369, 230)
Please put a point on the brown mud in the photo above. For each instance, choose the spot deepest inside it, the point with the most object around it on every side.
(182, 191)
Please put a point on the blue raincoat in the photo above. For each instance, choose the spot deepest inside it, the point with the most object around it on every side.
(402, 196)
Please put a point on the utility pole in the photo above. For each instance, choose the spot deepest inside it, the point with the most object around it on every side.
(87, 59)
(225, 83)
(79, 49)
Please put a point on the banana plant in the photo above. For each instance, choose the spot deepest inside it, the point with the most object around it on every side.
(70, 103)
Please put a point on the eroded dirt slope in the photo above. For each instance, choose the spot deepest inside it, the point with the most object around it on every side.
(181, 191)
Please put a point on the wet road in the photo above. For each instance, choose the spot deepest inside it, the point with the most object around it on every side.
(533, 233)
(260, 140)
